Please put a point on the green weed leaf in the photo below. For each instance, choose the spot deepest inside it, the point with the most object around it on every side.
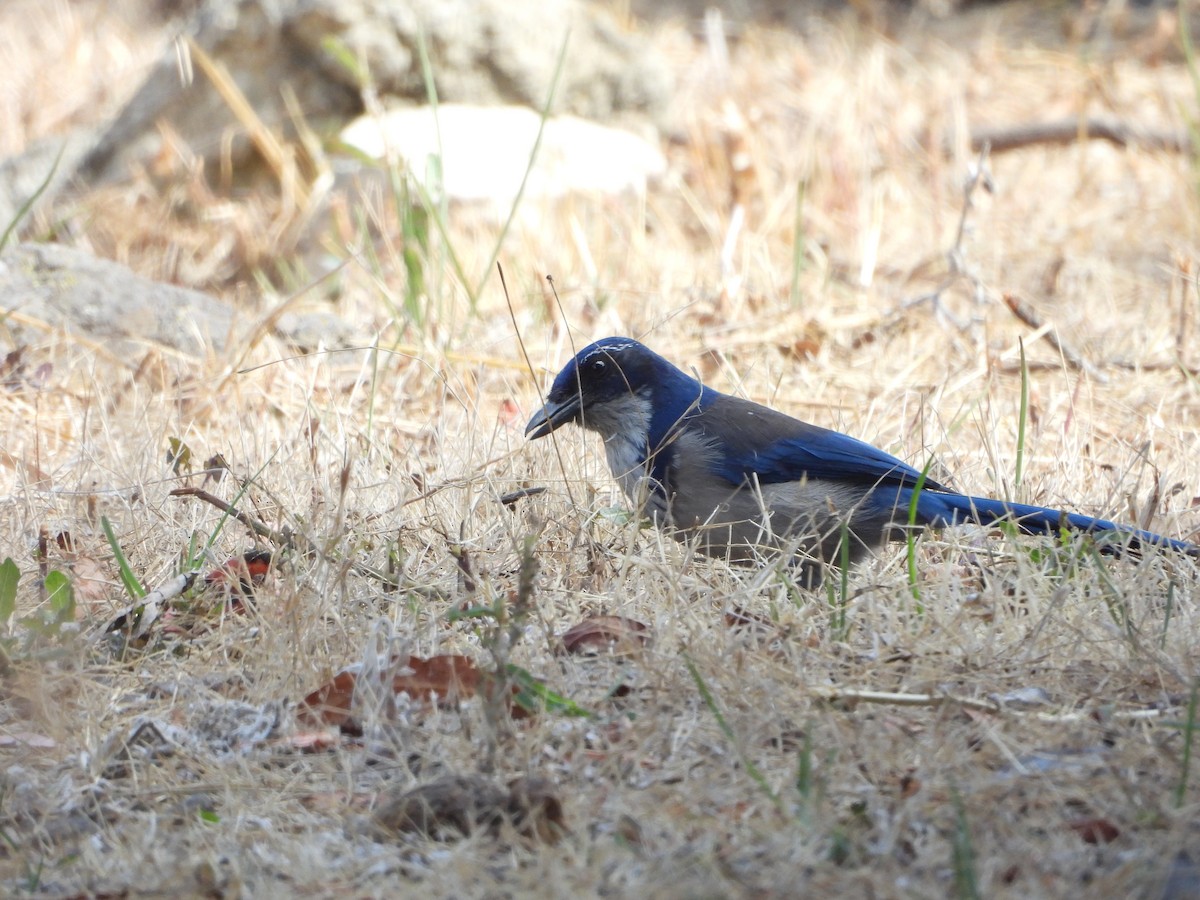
(533, 695)
(132, 586)
(9, 576)
(62, 597)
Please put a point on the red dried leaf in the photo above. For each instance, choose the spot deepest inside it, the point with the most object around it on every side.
(336, 802)
(1095, 830)
(756, 628)
(604, 633)
(330, 703)
(803, 348)
(509, 413)
(910, 785)
(738, 617)
(447, 678)
(241, 574)
(440, 680)
(312, 741)
(41, 376)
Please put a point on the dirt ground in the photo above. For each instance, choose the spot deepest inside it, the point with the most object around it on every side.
(978, 715)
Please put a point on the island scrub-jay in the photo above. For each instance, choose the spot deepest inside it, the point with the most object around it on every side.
(742, 477)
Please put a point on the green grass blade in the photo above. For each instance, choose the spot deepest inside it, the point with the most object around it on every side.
(910, 540)
(341, 54)
(434, 173)
(806, 779)
(33, 198)
(710, 701)
(966, 878)
(843, 583)
(537, 144)
(194, 561)
(133, 587)
(1189, 732)
(1189, 56)
(1170, 607)
(10, 574)
(1189, 48)
(535, 696)
(61, 596)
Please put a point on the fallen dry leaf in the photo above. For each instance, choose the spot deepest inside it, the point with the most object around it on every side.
(439, 680)
(738, 618)
(806, 346)
(597, 634)
(762, 631)
(330, 703)
(312, 741)
(445, 679)
(909, 784)
(509, 414)
(1095, 830)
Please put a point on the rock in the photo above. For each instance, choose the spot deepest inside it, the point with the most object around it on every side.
(319, 330)
(485, 151)
(492, 51)
(251, 40)
(72, 290)
(480, 51)
(45, 165)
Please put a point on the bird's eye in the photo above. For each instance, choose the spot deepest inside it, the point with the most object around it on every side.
(598, 366)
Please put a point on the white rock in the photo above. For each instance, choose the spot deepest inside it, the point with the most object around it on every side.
(485, 151)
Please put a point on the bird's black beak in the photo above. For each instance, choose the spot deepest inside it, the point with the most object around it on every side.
(553, 415)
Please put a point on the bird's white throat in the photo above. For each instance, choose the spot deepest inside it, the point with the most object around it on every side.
(624, 423)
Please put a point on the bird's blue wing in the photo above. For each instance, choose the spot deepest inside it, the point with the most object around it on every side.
(750, 439)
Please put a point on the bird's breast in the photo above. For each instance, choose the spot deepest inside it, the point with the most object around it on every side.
(627, 460)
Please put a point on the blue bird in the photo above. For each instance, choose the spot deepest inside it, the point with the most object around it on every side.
(738, 477)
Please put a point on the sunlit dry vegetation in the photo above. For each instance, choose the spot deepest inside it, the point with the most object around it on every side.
(1016, 720)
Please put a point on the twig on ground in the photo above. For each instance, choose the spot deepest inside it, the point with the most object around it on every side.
(1003, 138)
(1026, 314)
(896, 698)
(979, 175)
(137, 618)
(284, 540)
(291, 540)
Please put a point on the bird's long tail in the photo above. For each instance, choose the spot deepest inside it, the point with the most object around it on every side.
(944, 509)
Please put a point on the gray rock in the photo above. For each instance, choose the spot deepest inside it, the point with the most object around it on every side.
(319, 330)
(251, 40)
(69, 289)
(45, 165)
(491, 51)
(481, 51)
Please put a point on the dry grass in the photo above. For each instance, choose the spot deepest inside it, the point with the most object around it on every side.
(851, 798)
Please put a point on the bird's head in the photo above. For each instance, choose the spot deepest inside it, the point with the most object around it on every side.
(616, 385)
